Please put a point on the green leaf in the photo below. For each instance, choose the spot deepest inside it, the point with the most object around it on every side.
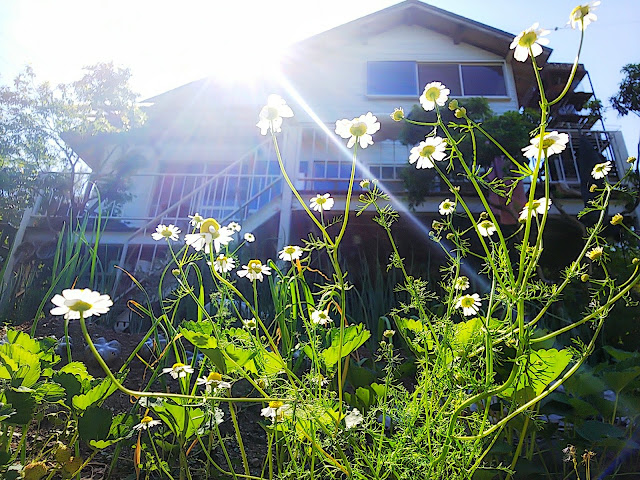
(200, 334)
(22, 365)
(94, 424)
(6, 411)
(93, 396)
(121, 428)
(595, 431)
(50, 392)
(415, 333)
(354, 337)
(79, 370)
(70, 383)
(620, 355)
(240, 358)
(617, 381)
(543, 367)
(24, 404)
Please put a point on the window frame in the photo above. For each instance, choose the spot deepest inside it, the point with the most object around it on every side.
(502, 64)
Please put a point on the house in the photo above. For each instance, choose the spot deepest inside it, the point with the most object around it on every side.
(200, 150)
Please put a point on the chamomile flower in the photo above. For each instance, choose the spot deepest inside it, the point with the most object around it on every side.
(276, 411)
(430, 149)
(254, 270)
(447, 207)
(146, 422)
(595, 254)
(552, 143)
(321, 317)
(461, 283)
(397, 115)
(249, 237)
(435, 93)
(486, 228)
(529, 39)
(538, 206)
(353, 419)
(212, 382)
(223, 264)
(249, 324)
(601, 170)
(210, 233)
(178, 370)
(365, 183)
(470, 304)
(74, 302)
(617, 219)
(290, 253)
(320, 203)
(358, 130)
(272, 113)
(196, 220)
(583, 15)
(170, 232)
(234, 227)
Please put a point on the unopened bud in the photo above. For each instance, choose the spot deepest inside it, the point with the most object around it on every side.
(617, 219)
(484, 216)
(176, 272)
(593, 188)
(635, 261)
(584, 277)
(453, 105)
(450, 236)
(631, 159)
(389, 333)
(34, 471)
(461, 112)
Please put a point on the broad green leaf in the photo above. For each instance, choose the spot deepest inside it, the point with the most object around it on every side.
(77, 369)
(93, 396)
(240, 358)
(415, 333)
(24, 404)
(50, 392)
(121, 428)
(70, 383)
(200, 334)
(24, 365)
(270, 363)
(617, 381)
(595, 431)
(620, 355)
(354, 337)
(543, 367)
(178, 416)
(94, 424)
(6, 411)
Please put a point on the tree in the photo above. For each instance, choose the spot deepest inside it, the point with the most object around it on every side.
(35, 116)
(627, 100)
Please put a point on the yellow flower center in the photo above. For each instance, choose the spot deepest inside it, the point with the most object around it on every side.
(547, 142)
(427, 151)
(358, 129)
(255, 266)
(177, 365)
(208, 224)
(321, 200)
(77, 305)
(146, 419)
(289, 250)
(166, 233)
(528, 39)
(467, 302)
(214, 377)
(580, 12)
(432, 94)
(397, 115)
(270, 113)
(275, 404)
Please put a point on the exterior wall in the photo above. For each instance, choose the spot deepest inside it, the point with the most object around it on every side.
(334, 81)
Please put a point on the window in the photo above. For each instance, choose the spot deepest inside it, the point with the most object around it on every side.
(409, 78)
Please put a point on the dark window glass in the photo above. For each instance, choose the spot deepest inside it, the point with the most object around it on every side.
(445, 73)
(391, 78)
(486, 80)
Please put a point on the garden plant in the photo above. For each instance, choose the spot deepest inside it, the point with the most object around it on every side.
(482, 356)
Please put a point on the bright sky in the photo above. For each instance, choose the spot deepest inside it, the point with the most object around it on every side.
(168, 43)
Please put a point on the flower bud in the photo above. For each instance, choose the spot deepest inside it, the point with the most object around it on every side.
(635, 261)
(389, 333)
(584, 278)
(453, 104)
(34, 471)
(631, 159)
(484, 216)
(176, 272)
(450, 236)
(617, 219)
(593, 188)
(461, 112)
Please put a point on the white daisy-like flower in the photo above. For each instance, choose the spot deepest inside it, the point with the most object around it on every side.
(170, 232)
(461, 283)
(178, 370)
(290, 253)
(276, 411)
(196, 220)
(212, 382)
(146, 422)
(595, 253)
(223, 264)
(359, 129)
(210, 233)
(470, 304)
(583, 15)
(321, 317)
(430, 149)
(447, 207)
(75, 301)
(249, 324)
(272, 113)
(249, 237)
(353, 419)
(529, 38)
(365, 184)
(254, 270)
(486, 228)
(234, 227)
(320, 203)
(601, 170)
(552, 143)
(538, 206)
(435, 93)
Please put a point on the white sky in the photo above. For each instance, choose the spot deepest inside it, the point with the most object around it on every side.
(170, 43)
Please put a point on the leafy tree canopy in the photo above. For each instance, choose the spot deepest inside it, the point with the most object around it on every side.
(627, 100)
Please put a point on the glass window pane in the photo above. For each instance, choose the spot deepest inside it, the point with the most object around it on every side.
(445, 73)
(332, 170)
(391, 78)
(487, 80)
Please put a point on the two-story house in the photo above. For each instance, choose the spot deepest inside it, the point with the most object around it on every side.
(201, 152)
